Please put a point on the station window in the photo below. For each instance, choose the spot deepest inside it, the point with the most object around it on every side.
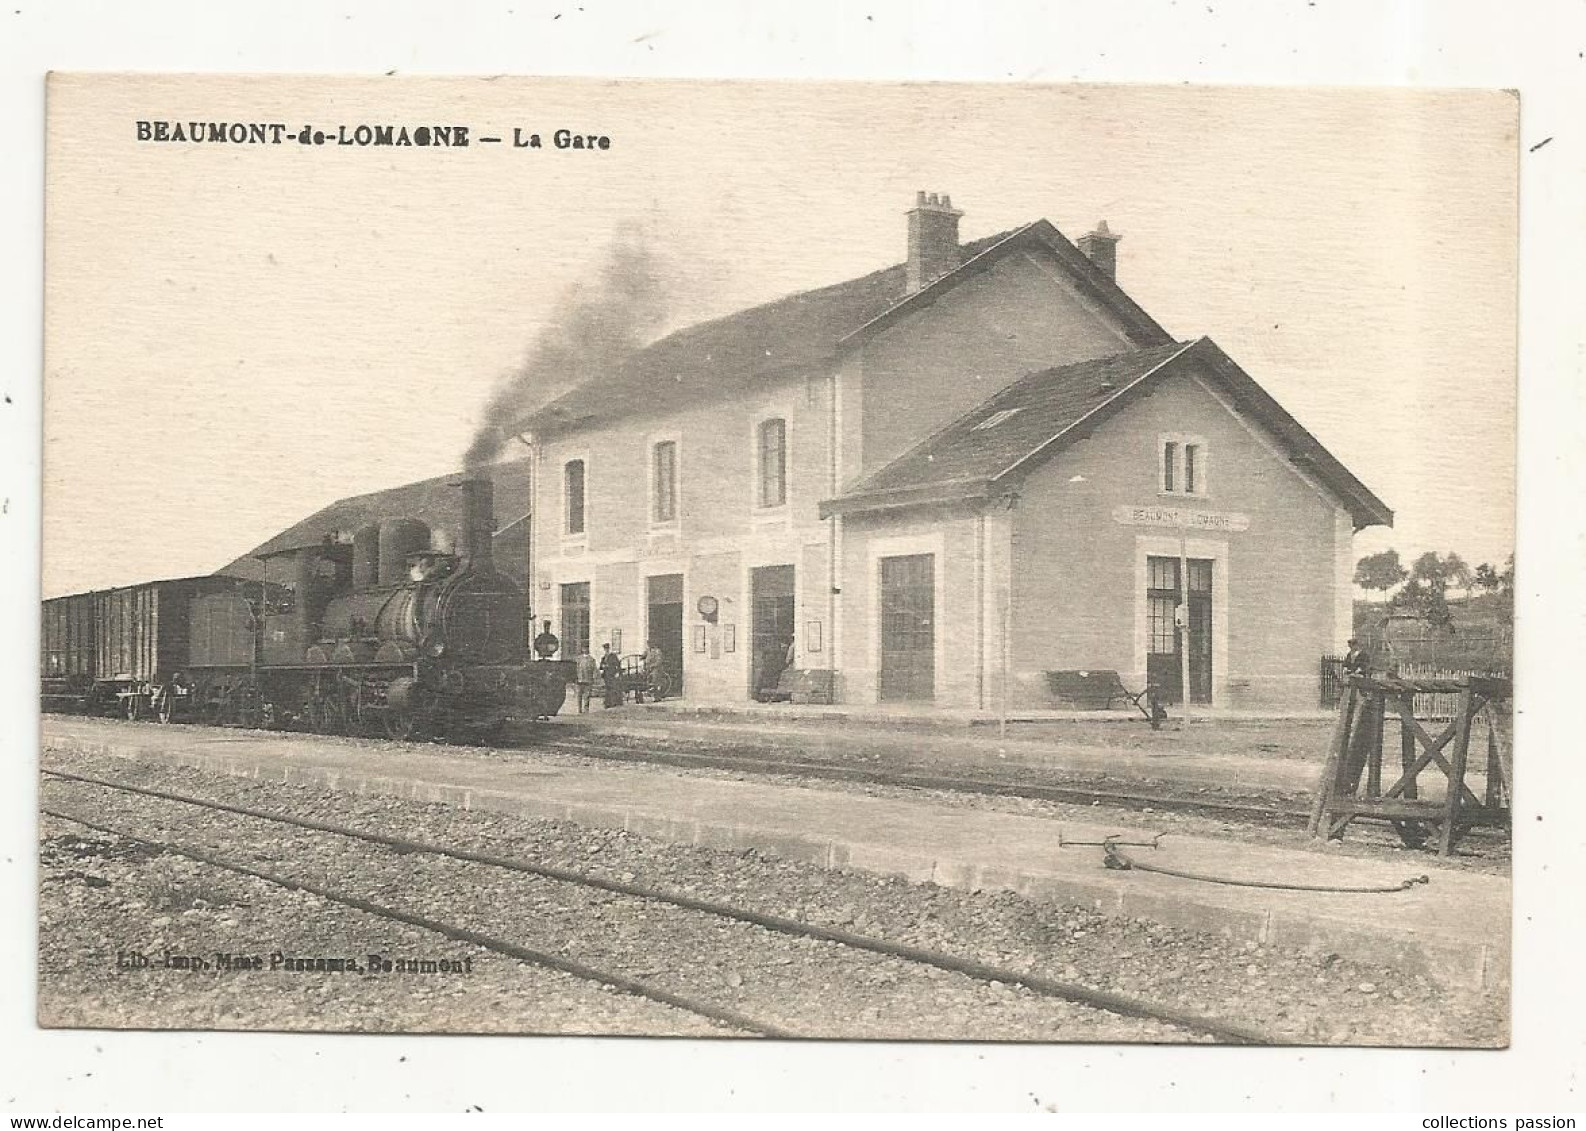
(1181, 465)
(663, 482)
(773, 462)
(573, 480)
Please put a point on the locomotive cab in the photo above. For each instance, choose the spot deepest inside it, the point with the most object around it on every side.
(297, 588)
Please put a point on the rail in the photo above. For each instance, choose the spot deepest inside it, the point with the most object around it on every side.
(1124, 1005)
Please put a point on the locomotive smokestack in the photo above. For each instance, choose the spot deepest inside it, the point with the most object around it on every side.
(479, 521)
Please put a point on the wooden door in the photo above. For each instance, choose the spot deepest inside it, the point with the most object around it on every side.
(908, 628)
(665, 593)
(772, 609)
(1164, 642)
(575, 620)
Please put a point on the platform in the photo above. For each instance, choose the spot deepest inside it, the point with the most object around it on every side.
(928, 716)
(1071, 749)
(1456, 929)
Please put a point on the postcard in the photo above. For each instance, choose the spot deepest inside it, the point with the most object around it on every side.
(1019, 563)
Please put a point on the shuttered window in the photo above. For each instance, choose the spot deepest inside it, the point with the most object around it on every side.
(1182, 465)
(773, 463)
(574, 480)
(664, 482)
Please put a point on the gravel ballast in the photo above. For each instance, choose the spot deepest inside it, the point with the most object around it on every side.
(808, 986)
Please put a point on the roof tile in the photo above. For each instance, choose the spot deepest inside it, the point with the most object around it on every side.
(1040, 405)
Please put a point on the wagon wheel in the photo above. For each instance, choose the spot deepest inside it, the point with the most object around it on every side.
(134, 707)
(665, 685)
(164, 705)
(214, 709)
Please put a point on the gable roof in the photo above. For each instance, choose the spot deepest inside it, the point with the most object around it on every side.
(728, 354)
(996, 444)
(435, 502)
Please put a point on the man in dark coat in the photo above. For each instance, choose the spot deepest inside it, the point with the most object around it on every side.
(1357, 661)
(611, 672)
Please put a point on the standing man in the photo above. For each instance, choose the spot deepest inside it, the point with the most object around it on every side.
(611, 672)
(584, 679)
(1357, 661)
(654, 661)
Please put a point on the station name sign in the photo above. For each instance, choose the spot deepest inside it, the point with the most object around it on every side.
(1181, 519)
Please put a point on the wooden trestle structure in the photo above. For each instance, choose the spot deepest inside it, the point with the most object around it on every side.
(1351, 783)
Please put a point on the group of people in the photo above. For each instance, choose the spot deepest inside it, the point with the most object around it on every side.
(586, 668)
(770, 662)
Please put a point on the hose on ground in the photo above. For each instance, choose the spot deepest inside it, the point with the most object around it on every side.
(1116, 858)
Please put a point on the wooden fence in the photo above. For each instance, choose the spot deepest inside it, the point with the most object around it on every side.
(1468, 650)
(1437, 705)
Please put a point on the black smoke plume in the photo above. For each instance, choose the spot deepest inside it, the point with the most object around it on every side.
(595, 326)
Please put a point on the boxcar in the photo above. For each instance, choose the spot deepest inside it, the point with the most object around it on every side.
(122, 650)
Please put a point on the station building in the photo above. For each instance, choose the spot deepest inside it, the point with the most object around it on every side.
(932, 485)
(940, 482)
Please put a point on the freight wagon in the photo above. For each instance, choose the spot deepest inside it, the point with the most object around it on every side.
(125, 650)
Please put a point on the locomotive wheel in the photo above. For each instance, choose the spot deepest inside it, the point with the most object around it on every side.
(331, 717)
(401, 725)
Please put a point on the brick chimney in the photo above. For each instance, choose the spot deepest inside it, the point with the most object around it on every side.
(1101, 248)
(933, 240)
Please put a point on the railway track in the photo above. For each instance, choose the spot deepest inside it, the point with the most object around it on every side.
(1248, 813)
(1244, 811)
(1107, 1002)
(1251, 813)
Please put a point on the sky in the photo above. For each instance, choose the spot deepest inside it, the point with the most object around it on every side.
(236, 336)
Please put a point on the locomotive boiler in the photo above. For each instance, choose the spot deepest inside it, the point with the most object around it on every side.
(390, 628)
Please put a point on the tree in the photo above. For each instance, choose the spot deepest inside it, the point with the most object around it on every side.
(1456, 573)
(1428, 570)
(1426, 592)
(1499, 583)
(1380, 571)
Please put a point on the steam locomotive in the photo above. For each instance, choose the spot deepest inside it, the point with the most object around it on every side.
(387, 630)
